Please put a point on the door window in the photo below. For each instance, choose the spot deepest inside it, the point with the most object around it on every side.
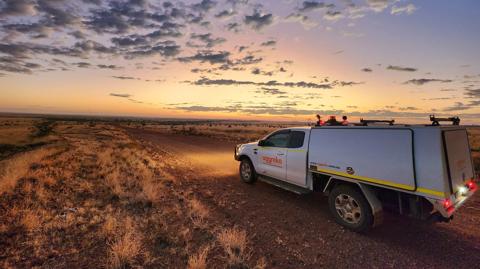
(278, 140)
(296, 139)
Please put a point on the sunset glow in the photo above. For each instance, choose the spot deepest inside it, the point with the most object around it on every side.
(241, 59)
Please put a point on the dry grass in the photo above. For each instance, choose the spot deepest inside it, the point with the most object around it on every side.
(109, 226)
(18, 166)
(31, 220)
(151, 191)
(114, 182)
(3, 228)
(234, 243)
(75, 186)
(225, 131)
(199, 260)
(126, 247)
(16, 131)
(261, 264)
(41, 194)
(104, 158)
(198, 213)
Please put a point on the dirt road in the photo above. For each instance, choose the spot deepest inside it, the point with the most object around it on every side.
(293, 231)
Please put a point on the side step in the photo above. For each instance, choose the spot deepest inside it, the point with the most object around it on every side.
(284, 185)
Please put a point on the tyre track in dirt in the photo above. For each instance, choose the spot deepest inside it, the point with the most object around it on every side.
(293, 231)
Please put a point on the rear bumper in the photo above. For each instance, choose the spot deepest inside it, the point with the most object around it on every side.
(457, 200)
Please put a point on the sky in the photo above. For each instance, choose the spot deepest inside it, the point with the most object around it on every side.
(242, 59)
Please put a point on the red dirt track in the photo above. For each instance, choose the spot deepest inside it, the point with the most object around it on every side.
(293, 231)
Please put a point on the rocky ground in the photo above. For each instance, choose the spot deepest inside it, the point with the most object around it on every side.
(100, 195)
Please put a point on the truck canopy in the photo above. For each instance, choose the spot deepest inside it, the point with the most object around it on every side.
(431, 161)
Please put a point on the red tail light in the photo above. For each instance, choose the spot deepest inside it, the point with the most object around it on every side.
(471, 185)
(447, 203)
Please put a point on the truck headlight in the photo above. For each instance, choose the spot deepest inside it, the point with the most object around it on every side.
(237, 148)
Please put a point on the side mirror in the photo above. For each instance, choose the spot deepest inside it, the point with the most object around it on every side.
(261, 143)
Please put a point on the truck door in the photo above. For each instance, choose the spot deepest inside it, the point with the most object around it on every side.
(297, 158)
(272, 156)
(458, 156)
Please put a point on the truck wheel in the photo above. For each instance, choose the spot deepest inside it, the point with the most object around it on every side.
(247, 171)
(350, 208)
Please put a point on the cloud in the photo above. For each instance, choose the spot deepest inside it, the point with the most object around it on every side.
(205, 5)
(15, 65)
(94, 2)
(35, 30)
(272, 91)
(82, 65)
(269, 43)
(82, 49)
(272, 83)
(17, 8)
(121, 95)
(472, 93)
(164, 48)
(258, 71)
(333, 15)
(348, 83)
(259, 109)
(207, 56)
(108, 21)
(438, 98)
(248, 60)
(15, 69)
(422, 81)
(110, 66)
(313, 5)
(401, 68)
(124, 77)
(407, 9)
(457, 107)
(258, 20)
(408, 108)
(234, 27)
(225, 14)
(207, 39)
(378, 5)
(55, 16)
(226, 62)
(366, 69)
(306, 22)
(242, 48)
(167, 29)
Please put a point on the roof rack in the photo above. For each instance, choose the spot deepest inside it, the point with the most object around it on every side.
(436, 121)
(366, 122)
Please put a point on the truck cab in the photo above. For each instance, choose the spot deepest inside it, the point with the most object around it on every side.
(272, 155)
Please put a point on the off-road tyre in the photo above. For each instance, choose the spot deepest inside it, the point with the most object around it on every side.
(350, 208)
(247, 171)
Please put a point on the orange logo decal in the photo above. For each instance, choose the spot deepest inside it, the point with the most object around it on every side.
(274, 161)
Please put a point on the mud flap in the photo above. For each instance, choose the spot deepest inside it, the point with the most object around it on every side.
(375, 204)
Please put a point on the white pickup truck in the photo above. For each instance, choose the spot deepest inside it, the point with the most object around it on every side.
(421, 171)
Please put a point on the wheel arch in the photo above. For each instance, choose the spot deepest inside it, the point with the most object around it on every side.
(367, 191)
(243, 157)
(246, 157)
